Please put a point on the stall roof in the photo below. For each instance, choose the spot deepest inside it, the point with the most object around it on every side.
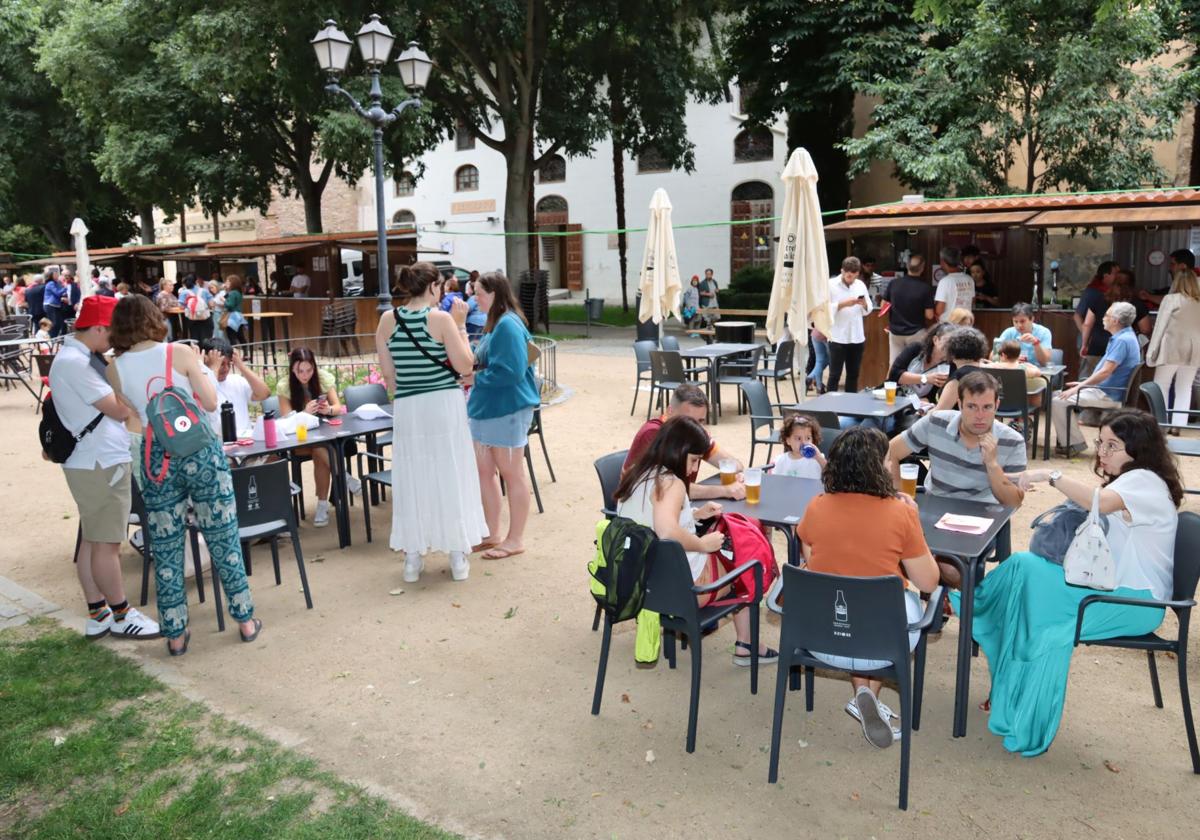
(309, 240)
(1117, 216)
(947, 220)
(249, 249)
(1047, 201)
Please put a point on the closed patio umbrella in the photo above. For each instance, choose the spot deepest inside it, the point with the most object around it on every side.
(659, 278)
(83, 264)
(800, 290)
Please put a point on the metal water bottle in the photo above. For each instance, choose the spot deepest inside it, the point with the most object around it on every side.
(269, 430)
(228, 423)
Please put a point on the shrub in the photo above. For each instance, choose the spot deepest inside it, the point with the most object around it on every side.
(752, 279)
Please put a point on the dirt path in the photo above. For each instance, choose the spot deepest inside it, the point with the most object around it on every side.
(468, 702)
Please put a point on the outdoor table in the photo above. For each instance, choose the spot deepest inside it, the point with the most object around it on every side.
(860, 404)
(267, 321)
(967, 551)
(332, 438)
(11, 368)
(782, 502)
(1052, 374)
(714, 353)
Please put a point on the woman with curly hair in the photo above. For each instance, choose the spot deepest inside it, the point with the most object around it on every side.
(858, 489)
(1025, 611)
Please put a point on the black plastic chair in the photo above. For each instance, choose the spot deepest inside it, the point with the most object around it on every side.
(535, 428)
(1014, 402)
(863, 618)
(641, 352)
(1073, 406)
(781, 368)
(608, 470)
(1188, 447)
(671, 593)
(670, 342)
(1183, 598)
(762, 415)
(739, 371)
(264, 512)
(359, 395)
(666, 374)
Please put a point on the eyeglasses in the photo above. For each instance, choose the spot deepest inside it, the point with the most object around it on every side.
(1108, 447)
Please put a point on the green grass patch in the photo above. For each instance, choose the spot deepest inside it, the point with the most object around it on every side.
(613, 315)
(90, 746)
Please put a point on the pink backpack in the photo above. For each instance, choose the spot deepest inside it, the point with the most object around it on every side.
(745, 540)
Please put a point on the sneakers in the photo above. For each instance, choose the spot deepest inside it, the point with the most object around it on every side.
(875, 726)
(852, 710)
(321, 517)
(135, 626)
(460, 566)
(98, 629)
(353, 485)
(412, 568)
(135, 539)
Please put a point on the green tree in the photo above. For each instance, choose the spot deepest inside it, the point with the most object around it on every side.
(1049, 94)
(47, 174)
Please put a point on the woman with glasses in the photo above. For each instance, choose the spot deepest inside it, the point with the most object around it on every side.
(1025, 611)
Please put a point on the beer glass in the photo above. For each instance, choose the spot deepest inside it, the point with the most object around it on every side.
(908, 479)
(728, 471)
(753, 485)
(889, 390)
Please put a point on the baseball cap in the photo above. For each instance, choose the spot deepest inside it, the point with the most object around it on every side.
(96, 311)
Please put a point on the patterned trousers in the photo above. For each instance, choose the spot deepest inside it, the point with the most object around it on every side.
(203, 479)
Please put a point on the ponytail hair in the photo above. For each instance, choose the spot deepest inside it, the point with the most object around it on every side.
(415, 280)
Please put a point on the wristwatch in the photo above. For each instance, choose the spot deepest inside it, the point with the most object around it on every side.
(1055, 475)
(924, 379)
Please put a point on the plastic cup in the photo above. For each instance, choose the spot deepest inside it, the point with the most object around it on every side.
(301, 432)
(889, 390)
(753, 479)
(728, 471)
(908, 479)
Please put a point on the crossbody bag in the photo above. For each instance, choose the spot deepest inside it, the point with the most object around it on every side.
(445, 363)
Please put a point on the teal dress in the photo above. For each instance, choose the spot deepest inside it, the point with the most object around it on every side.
(1024, 622)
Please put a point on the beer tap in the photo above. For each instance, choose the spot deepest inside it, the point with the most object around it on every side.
(1037, 284)
(1054, 280)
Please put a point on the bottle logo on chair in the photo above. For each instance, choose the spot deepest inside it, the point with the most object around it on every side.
(841, 615)
(252, 502)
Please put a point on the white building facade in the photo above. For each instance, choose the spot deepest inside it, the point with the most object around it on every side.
(458, 204)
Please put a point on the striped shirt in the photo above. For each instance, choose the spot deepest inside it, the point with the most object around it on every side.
(416, 373)
(954, 469)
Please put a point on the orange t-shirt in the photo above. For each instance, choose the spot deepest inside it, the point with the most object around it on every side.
(856, 535)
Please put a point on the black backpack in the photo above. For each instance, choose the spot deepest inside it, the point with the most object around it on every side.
(57, 441)
(621, 567)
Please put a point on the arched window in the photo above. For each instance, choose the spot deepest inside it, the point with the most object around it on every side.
(553, 170)
(753, 191)
(466, 179)
(650, 159)
(406, 185)
(750, 243)
(753, 144)
(552, 204)
(464, 137)
(404, 217)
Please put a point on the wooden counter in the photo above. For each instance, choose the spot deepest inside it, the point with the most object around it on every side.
(306, 312)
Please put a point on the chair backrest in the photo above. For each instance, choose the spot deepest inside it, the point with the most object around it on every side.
(669, 584)
(263, 494)
(784, 355)
(641, 351)
(824, 419)
(828, 436)
(1187, 556)
(608, 470)
(760, 404)
(666, 366)
(44, 361)
(1014, 394)
(1133, 378)
(1056, 356)
(670, 342)
(844, 616)
(1154, 398)
(357, 395)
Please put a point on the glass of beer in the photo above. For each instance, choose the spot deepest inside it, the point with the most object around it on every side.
(908, 479)
(889, 390)
(753, 485)
(728, 470)
(301, 432)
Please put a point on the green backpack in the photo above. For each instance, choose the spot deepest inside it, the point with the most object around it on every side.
(621, 567)
(175, 422)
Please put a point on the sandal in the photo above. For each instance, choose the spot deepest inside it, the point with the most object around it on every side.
(254, 635)
(497, 553)
(743, 659)
(187, 638)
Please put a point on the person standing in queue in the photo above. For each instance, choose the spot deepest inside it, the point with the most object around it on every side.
(849, 303)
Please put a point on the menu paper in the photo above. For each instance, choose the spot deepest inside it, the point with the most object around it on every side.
(964, 524)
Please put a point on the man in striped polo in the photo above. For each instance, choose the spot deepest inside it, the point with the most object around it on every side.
(971, 454)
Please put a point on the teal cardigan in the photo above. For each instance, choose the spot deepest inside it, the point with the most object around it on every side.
(506, 384)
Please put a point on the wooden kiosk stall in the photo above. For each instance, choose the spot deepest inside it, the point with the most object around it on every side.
(1012, 236)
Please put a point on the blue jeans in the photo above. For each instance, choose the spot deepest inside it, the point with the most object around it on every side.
(820, 360)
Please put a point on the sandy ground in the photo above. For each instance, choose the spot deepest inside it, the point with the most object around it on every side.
(468, 703)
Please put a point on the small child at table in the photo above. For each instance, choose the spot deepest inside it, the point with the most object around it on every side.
(798, 433)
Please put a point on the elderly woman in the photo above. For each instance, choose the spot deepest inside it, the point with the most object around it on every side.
(1105, 388)
(1025, 611)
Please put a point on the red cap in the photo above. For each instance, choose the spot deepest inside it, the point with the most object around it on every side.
(96, 311)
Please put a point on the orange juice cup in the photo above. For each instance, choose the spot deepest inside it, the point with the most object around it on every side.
(301, 432)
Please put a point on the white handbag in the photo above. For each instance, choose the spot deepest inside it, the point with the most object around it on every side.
(1089, 561)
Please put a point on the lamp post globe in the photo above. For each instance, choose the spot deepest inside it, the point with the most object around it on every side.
(375, 42)
(415, 67)
(332, 48)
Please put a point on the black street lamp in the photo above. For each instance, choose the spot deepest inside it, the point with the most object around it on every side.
(375, 45)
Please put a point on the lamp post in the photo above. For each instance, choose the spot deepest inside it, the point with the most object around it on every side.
(375, 45)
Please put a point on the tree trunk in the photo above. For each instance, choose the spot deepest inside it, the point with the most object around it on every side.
(216, 217)
(58, 241)
(183, 224)
(1194, 169)
(617, 118)
(310, 192)
(516, 201)
(146, 218)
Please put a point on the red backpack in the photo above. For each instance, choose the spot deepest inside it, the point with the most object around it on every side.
(745, 540)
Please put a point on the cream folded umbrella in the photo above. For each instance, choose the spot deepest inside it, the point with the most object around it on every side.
(659, 277)
(800, 289)
(83, 265)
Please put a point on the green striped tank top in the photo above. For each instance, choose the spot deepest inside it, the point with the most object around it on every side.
(415, 372)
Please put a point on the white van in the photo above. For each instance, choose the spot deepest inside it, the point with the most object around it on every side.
(352, 273)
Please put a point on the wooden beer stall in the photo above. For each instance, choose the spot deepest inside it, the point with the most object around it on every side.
(1012, 236)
